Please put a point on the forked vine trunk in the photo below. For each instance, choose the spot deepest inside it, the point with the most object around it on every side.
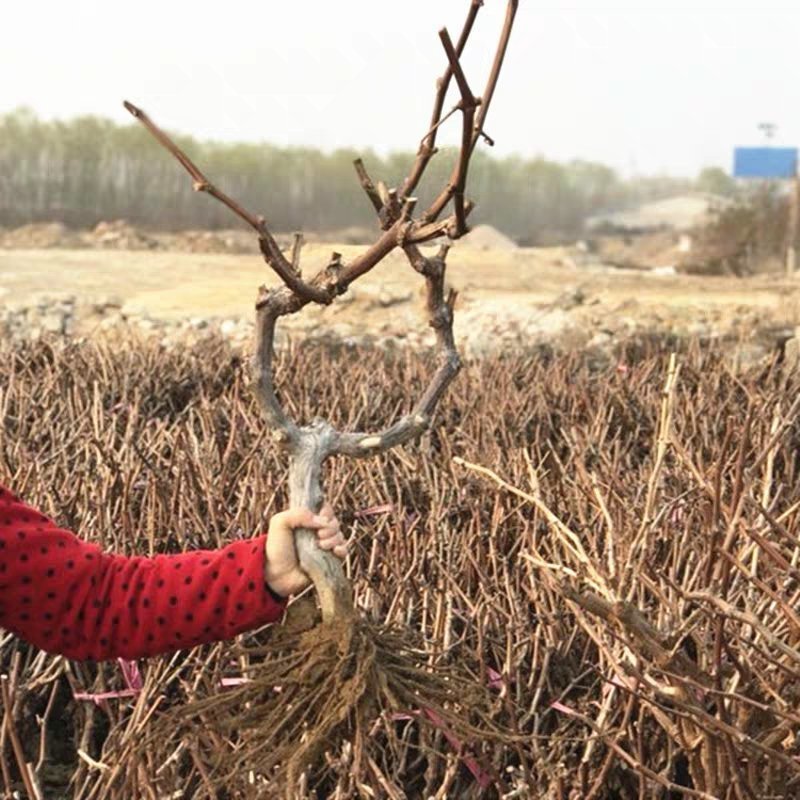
(309, 446)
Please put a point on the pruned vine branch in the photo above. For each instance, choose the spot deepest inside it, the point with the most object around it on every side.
(269, 247)
(427, 147)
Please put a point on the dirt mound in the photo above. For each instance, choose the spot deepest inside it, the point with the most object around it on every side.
(353, 234)
(38, 236)
(119, 235)
(645, 251)
(224, 241)
(486, 237)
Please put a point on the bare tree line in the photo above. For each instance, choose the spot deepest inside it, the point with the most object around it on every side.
(83, 170)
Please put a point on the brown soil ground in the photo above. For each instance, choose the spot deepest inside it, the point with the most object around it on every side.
(494, 285)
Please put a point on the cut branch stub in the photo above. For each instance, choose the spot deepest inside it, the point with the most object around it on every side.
(368, 186)
(309, 446)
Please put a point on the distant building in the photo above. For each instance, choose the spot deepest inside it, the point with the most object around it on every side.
(680, 213)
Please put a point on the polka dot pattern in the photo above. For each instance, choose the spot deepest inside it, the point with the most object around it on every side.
(68, 597)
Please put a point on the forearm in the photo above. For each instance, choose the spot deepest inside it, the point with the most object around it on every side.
(68, 597)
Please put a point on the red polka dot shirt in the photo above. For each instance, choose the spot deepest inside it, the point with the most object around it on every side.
(68, 597)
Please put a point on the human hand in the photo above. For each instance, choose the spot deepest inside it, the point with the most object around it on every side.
(282, 570)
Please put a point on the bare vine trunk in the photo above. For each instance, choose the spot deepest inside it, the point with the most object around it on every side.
(305, 490)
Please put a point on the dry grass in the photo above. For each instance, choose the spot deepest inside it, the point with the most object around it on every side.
(637, 592)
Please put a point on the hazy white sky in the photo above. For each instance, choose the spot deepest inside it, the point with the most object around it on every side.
(645, 86)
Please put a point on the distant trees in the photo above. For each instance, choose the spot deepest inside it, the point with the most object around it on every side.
(716, 181)
(88, 169)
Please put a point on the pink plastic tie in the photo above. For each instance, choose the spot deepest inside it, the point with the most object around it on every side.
(482, 778)
(374, 511)
(563, 709)
(131, 674)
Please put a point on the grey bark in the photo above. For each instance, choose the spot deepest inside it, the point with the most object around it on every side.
(308, 455)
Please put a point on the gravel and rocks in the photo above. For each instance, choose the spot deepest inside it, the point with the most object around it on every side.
(481, 328)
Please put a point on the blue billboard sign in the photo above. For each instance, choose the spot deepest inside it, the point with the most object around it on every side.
(765, 162)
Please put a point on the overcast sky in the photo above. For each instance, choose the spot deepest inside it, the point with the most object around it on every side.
(643, 86)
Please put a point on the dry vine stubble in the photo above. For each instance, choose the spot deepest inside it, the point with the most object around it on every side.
(144, 449)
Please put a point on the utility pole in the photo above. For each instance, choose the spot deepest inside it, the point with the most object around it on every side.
(794, 219)
(769, 129)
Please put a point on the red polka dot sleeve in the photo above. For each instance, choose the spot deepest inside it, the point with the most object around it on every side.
(66, 596)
